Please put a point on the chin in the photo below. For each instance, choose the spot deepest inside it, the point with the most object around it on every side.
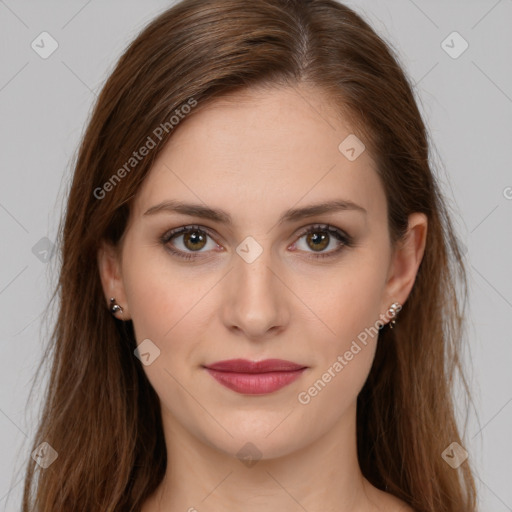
(257, 442)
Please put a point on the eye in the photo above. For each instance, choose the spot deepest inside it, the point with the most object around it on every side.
(187, 240)
(321, 236)
(193, 238)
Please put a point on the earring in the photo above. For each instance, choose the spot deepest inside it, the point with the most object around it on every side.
(393, 311)
(114, 306)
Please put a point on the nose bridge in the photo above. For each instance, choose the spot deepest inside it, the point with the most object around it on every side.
(253, 269)
(256, 274)
(256, 302)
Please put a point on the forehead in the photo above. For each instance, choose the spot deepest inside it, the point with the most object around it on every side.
(260, 152)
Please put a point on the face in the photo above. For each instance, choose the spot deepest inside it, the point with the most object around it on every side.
(266, 284)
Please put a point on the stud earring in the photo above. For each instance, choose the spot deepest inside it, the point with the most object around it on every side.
(114, 306)
(393, 311)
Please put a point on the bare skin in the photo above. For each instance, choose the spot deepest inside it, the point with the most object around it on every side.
(256, 155)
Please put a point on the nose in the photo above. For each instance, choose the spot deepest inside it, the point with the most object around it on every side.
(256, 302)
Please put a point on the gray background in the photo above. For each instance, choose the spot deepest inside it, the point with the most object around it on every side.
(466, 102)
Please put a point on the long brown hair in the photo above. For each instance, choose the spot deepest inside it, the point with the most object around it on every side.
(100, 413)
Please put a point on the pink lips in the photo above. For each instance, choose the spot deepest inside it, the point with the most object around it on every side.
(255, 377)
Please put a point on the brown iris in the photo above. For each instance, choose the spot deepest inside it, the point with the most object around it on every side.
(196, 239)
(319, 241)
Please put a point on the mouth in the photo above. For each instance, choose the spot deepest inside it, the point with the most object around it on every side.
(255, 377)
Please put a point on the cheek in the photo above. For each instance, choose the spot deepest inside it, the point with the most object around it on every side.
(343, 359)
(164, 309)
(345, 331)
(172, 309)
(158, 295)
(344, 302)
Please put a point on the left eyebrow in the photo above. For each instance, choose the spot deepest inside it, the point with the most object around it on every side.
(221, 216)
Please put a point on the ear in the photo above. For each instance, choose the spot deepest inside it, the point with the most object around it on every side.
(405, 261)
(109, 266)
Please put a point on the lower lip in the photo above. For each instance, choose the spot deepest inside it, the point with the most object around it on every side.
(255, 383)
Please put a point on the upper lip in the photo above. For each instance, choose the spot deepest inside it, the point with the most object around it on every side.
(245, 366)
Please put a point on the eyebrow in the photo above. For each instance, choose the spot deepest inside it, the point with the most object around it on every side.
(221, 216)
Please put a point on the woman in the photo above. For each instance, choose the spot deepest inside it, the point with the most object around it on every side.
(258, 304)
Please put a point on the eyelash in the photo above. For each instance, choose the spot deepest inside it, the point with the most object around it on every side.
(346, 240)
